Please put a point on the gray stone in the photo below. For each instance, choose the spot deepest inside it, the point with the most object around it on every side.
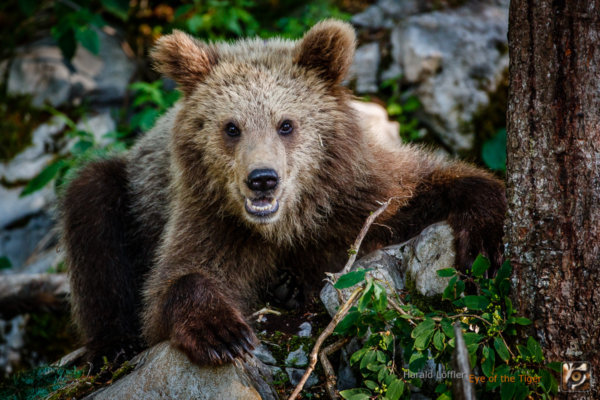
(297, 358)
(35, 157)
(305, 329)
(263, 354)
(40, 70)
(371, 18)
(14, 208)
(374, 121)
(365, 67)
(296, 374)
(418, 258)
(455, 58)
(163, 372)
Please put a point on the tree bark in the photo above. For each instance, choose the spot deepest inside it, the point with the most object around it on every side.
(553, 169)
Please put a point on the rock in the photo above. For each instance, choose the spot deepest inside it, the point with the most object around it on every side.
(418, 259)
(365, 67)
(14, 208)
(374, 121)
(34, 158)
(305, 329)
(40, 70)
(371, 17)
(12, 334)
(263, 354)
(297, 358)
(455, 59)
(163, 372)
(295, 374)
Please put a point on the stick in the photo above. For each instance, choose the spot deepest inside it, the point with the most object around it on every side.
(330, 377)
(363, 233)
(324, 335)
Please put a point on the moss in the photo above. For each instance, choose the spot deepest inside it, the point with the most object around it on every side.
(18, 119)
(49, 336)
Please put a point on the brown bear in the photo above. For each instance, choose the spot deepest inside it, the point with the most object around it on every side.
(261, 167)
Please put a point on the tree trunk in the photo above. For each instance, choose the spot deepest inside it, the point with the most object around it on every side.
(553, 168)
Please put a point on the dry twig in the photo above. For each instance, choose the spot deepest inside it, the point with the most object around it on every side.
(330, 377)
(324, 335)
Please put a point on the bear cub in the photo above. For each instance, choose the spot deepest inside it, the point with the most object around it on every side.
(261, 168)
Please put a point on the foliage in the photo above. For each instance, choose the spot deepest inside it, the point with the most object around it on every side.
(400, 339)
(401, 107)
(150, 101)
(493, 151)
(37, 383)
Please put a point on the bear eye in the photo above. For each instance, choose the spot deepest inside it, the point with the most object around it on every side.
(232, 130)
(286, 127)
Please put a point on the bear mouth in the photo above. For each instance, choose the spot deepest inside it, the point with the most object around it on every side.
(262, 206)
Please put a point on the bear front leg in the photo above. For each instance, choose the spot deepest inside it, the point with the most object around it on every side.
(472, 201)
(204, 323)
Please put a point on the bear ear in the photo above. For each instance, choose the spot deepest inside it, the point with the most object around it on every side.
(328, 49)
(183, 59)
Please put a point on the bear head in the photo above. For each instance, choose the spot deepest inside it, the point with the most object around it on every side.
(260, 123)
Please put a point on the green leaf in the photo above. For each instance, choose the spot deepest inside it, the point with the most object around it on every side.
(471, 338)
(348, 322)
(422, 341)
(489, 359)
(501, 349)
(88, 39)
(507, 389)
(449, 293)
(447, 327)
(371, 384)
(369, 357)
(355, 394)
(535, 349)
(417, 361)
(5, 263)
(81, 146)
(427, 326)
(523, 351)
(365, 299)
(394, 109)
(43, 178)
(379, 298)
(480, 265)
(503, 273)
(358, 355)
(119, 8)
(555, 366)
(493, 151)
(350, 279)
(67, 43)
(475, 302)
(144, 120)
(445, 396)
(395, 390)
(446, 272)
(438, 340)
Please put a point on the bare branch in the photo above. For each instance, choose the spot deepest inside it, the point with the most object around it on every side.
(330, 377)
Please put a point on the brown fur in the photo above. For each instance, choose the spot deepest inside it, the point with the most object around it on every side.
(186, 184)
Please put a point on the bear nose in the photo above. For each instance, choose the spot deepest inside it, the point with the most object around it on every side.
(262, 180)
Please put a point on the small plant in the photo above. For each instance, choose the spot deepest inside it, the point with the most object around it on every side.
(401, 108)
(151, 100)
(493, 151)
(403, 337)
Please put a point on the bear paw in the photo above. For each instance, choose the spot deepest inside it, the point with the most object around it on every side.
(216, 338)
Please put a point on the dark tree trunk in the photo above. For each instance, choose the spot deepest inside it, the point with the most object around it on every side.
(553, 169)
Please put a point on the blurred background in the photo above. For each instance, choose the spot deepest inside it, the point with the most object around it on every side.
(75, 83)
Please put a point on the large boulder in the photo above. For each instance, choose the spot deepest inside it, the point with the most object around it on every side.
(454, 60)
(40, 70)
(163, 372)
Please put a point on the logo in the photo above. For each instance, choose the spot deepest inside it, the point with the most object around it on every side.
(576, 376)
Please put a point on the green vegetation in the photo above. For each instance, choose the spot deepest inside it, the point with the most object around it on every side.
(403, 337)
